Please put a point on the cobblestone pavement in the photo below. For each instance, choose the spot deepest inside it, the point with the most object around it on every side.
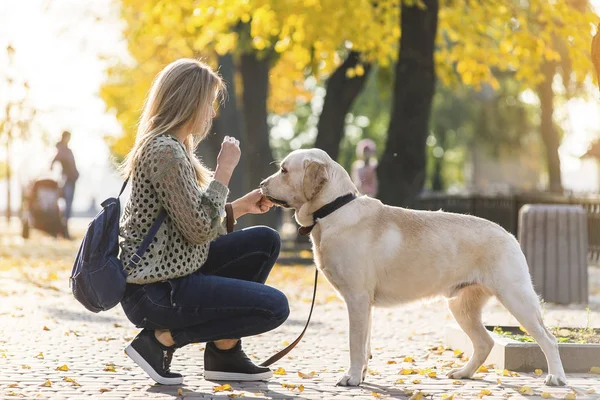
(51, 347)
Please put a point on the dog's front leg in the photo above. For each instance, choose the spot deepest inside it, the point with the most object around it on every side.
(359, 313)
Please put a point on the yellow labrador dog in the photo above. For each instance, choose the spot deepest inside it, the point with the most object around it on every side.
(377, 255)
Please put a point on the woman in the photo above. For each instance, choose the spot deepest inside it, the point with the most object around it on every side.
(195, 283)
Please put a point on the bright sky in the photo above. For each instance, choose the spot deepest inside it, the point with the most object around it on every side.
(59, 47)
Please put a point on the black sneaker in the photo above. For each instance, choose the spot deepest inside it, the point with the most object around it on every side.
(154, 358)
(232, 365)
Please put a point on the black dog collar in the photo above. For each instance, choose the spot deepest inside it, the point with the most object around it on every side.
(325, 211)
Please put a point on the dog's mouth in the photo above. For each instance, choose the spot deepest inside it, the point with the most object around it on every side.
(278, 202)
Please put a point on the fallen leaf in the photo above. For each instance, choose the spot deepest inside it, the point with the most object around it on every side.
(40, 356)
(179, 391)
(458, 353)
(457, 383)
(432, 374)
(13, 385)
(526, 390)
(483, 368)
(102, 390)
(499, 381)
(447, 396)
(570, 396)
(310, 375)
(416, 381)
(375, 394)
(400, 381)
(47, 383)
(484, 392)
(416, 396)
(595, 370)
(25, 366)
(301, 388)
(62, 368)
(373, 372)
(110, 368)
(407, 371)
(73, 381)
(117, 325)
(46, 328)
(391, 362)
(538, 372)
(285, 343)
(546, 395)
(279, 371)
(290, 386)
(409, 359)
(235, 395)
(223, 388)
(503, 372)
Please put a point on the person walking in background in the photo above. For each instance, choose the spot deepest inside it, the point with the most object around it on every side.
(65, 157)
(364, 169)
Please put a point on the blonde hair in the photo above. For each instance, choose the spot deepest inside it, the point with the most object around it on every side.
(181, 95)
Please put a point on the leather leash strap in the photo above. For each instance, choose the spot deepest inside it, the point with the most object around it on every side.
(276, 357)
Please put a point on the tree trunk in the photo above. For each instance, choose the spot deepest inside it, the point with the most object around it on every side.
(255, 78)
(437, 181)
(341, 93)
(402, 168)
(547, 128)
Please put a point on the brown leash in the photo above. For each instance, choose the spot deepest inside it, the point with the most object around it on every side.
(276, 357)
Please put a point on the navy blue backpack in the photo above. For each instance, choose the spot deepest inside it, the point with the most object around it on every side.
(98, 277)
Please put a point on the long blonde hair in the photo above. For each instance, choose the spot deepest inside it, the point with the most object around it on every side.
(181, 95)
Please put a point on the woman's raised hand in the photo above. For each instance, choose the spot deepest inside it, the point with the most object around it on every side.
(227, 160)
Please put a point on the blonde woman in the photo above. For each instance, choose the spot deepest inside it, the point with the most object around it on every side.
(196, 282)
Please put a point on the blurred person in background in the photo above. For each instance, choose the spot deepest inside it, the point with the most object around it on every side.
(70, 174)
(364, 169)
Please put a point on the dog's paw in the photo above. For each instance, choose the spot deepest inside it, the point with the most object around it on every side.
(554, 380)
(350, 379)
(459, 373)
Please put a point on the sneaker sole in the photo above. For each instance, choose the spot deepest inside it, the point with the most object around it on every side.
(235, 376)
(139, 360)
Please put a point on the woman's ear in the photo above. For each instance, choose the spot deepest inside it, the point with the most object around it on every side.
(315, 178)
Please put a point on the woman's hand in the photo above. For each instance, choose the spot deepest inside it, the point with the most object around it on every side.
(252, 203)
(227, 160)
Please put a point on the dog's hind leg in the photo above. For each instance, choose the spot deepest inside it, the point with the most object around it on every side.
(359, 313)
(521, 300)
(466, 308)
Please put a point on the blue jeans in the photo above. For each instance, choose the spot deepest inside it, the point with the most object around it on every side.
(225, 299)
(69, 194)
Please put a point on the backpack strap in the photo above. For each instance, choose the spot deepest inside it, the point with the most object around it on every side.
(137, 257)
(123, 187)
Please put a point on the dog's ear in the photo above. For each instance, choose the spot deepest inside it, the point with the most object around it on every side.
(315, 177)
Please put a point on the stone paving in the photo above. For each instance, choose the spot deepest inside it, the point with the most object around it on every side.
(52, 348)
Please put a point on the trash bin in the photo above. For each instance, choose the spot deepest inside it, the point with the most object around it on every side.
(554, 239)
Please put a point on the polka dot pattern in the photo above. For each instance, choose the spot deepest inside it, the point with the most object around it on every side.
(165, 177)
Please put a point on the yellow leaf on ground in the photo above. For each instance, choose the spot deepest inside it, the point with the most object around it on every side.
(73, 381)
(375, 394)
(285, 343)
(223, 388)
(400, 381)
(391, 362)
(47, 383)
(301, 388)
(408, 371)
(416, 381)
(46, 328)
(279, 371)
(102, 390)
(503, 372)
(546, 395)
(310, 375)
(595, 370)
(457, 383)
(458, 353)
(416, 396)
(236, 395)
(110, 368)
(538, 372)
(409, 359)
(13, 385)
(570, 396)
(432, 374)
(499, 381)
(447, 396)
(373, 372)
(484, 392)
(62, 368)
(180, 392)
(526, 390)
(25, 366)
(483, 368)
(40, 356)
(290, 386)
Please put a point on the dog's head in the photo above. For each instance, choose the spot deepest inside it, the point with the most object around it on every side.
(307, 180)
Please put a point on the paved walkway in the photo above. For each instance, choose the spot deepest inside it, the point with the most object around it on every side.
(51, 347)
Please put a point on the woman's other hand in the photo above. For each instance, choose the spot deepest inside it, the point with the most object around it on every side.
(227, 160)
(252, 203)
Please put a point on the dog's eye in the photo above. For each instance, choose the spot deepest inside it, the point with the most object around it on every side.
(283, 170)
